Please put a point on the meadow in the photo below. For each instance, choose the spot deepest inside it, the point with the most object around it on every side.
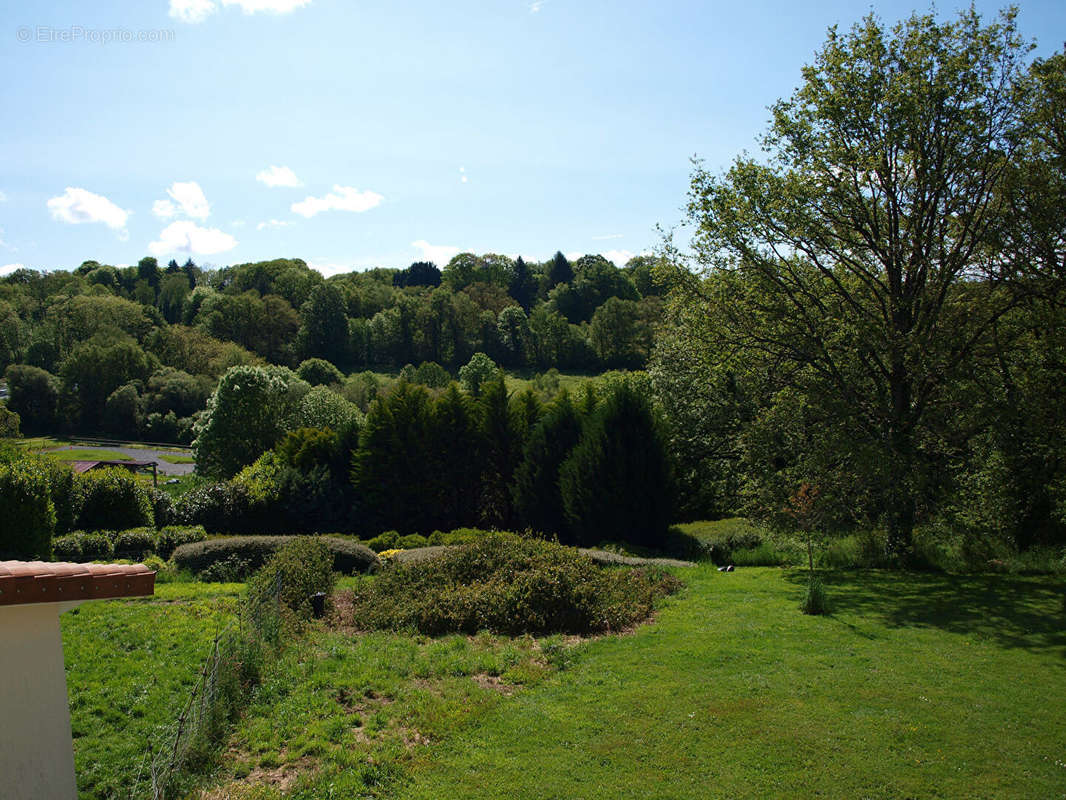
(914, 685)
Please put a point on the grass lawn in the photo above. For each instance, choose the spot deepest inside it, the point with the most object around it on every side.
(177, 458)
(130, 665)
(916, 686)
(78, 454)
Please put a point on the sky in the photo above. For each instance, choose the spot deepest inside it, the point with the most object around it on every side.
(354, 134)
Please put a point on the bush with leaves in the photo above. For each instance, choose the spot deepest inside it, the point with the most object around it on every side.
(113, 500)
(349, 557)
(304, 566)
(135, 544)
(319, 372)
(172, 537)
(81, 546)
(218, 507)
(509, 585)
(29, 517)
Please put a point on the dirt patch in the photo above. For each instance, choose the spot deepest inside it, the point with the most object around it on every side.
(494, 682)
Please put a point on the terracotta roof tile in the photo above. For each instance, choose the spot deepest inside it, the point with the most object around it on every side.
(54, 582)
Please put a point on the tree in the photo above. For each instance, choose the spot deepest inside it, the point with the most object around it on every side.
(420, 273)
(560, 271)
(523, 286)
(480, 369)
(617, 482)
(844, 258)
(250, 410)
(34, 397)
(324, 332)
(537, 501)
(319, 372)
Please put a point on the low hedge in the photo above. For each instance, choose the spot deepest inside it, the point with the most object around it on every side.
(348, 556)
(135, 543)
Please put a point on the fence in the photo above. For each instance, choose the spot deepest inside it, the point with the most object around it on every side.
(231, 667)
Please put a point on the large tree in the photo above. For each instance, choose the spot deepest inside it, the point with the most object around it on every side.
(853, 259)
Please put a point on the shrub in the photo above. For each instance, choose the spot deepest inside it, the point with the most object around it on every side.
(509, 585)
(815, 600)
(305, 566)
(29, 516)
(66, 493)
(81, 546)
(218, 507)
(172, 537)
(458, 536)
(134, 544)
(112, 500)
(385, 541)
(231, 569)
(162, 507)
(411, 541)
(348, 556)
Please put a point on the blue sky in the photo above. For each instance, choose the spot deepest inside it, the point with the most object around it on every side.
(411, 129)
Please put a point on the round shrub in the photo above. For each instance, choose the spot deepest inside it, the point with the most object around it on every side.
(511, 586)
(134, 544)
(348, 556)
(162, 507)
(319, 372)
(65, 491)
(29, 516)
(113, 500)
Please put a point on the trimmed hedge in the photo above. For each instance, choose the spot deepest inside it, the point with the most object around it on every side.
(135, 543)
(112, 500)
(348, 556)
(29, 515)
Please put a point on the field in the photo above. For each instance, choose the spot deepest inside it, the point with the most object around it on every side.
(915, 686)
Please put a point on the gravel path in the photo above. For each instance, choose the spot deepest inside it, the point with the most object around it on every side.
(139, 454)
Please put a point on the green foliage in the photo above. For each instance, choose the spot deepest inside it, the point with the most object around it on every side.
(34, 396)
(29, 516)
(509, 585)
(319, 372)
(616, 484)
(81, 547)
(172, 537)
(537, 499)
(112, 499)
(218, 507)
(135, 544)
(9, 423)
(432, 374)
(348, 556)
(304, 566)
(250, 410)
(477, 371)
(815, 600)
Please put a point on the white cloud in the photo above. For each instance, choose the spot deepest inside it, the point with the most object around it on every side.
(608, 236)
(619, 257)
(7, 269)
(192, 11)
(3, 197)
(342, 198)
(463, 179)
(328, 268)
(237, 223)
(272, 223)
(191, 198)
(269, 6)
(278, 176)
(185, 236)
(574, 256)
(164, 209)
(76, 206)
(439, 254)
(536, 6)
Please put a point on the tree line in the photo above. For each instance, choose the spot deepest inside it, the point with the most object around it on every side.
(136, 351)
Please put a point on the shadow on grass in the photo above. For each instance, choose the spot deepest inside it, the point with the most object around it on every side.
(1014, 611)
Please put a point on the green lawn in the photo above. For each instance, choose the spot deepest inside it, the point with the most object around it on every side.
(130, 665)
(917, 685)
(177, 458)
(78, 454)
